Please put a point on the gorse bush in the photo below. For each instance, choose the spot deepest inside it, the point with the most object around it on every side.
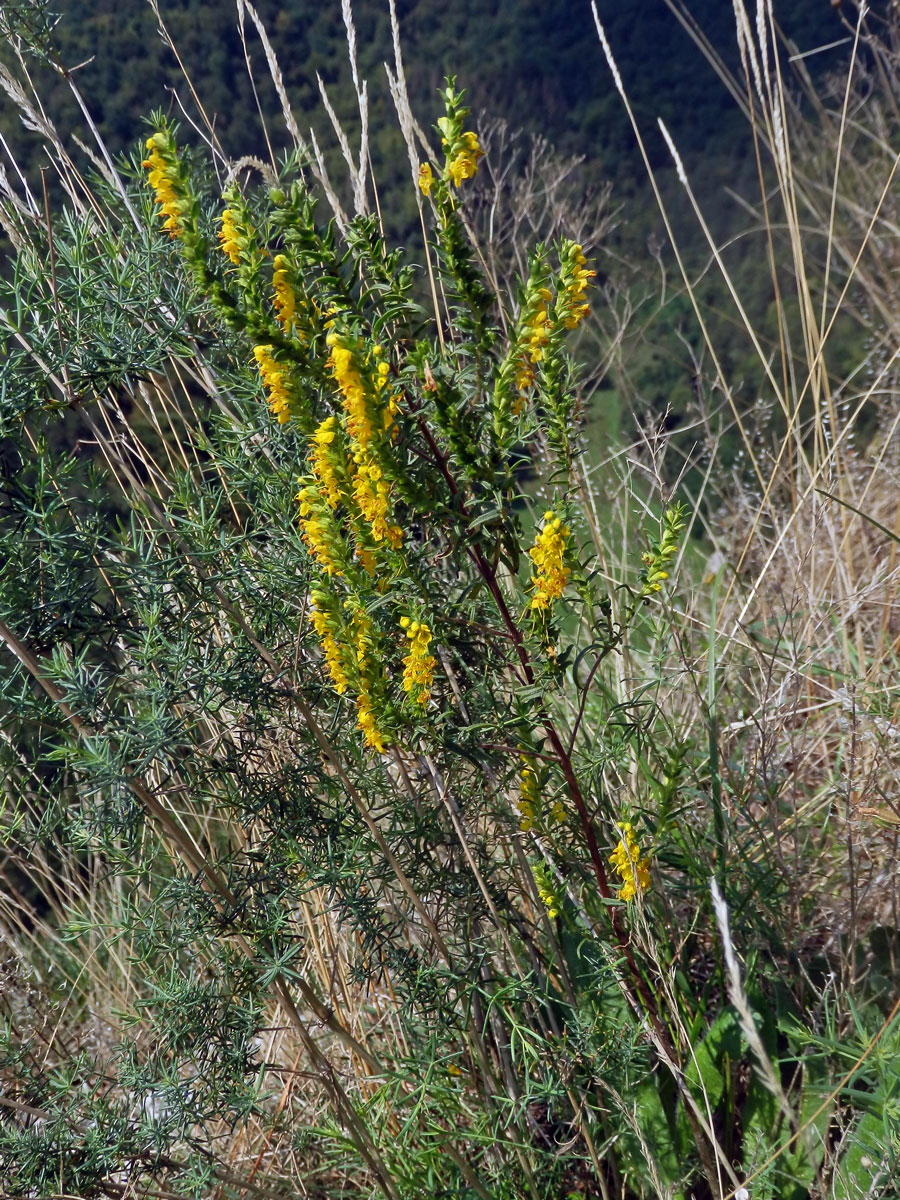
(385, 806)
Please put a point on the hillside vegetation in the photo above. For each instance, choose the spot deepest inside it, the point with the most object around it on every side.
(534, 64)
(448, 655)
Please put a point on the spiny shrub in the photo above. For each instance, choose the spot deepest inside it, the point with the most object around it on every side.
(327, 686)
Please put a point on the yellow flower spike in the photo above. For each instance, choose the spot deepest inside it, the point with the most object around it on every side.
(317, 528)
(334, 664)
(547, 890)
(548, 554)
(367, 421)
(628, 864)
(531, 337)
(366, 722)
(285, 300)
(529, 804)
(371, 494)
(229, 236)
(162, 166)
(538, 327)
(274, 378)
(661, 555)
(342, 363)
(326, 460)
(419, 663)
(574, 280)
(328, 629)
(366, 718)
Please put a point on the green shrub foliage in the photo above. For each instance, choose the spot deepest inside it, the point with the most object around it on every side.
(315, 665)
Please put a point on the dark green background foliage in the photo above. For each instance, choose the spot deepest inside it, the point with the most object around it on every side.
(537, 64)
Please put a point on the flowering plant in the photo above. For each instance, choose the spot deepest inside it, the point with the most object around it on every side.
(353, 703)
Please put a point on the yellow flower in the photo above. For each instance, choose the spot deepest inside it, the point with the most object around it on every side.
(344, 368)
(285, 299)
(574, 278)
(325, 461)
(275, 379)
(547, 554)
(366, 717)
(659, 558)
(161, 165)
(547, 889)
(533, 331)
(366, 557)
(632, 869)
(529, 797)
(362, 380)
(229, 236)
(392, 405)
(318, 529)
(382, 371)
(324, 625)
(464, 163)
(366, 721)
(351, 657)
(549, 898)
(537, 328)
(524, 380)
(426, 179)
(530, 803)
(371, 493)
(419, 663)
(334, 664)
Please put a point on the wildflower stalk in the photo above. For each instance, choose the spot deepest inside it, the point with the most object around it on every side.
(638, 991)
(647, 1000)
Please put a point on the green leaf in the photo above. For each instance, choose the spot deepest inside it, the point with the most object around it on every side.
(706, 1074)
(855, 1170)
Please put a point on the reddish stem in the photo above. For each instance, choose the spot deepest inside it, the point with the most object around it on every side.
(562, 755)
